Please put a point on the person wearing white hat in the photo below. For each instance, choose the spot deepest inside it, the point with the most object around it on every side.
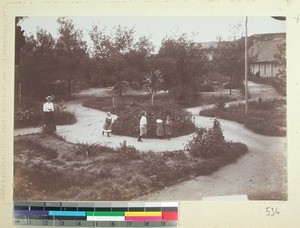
(48, 109)
(159, 128)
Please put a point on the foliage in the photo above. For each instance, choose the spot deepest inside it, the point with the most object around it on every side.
(31, 115)
(63, 117)
(183, 94)
(118, 56)
(280, 60)
(278, 83)
(39, 150)
(105, 174)
(208, 143)
(229, 58)
(127, 151)
(37, 65)
(71, 52)
(221, 103)
(267, 118)
(187, 58)
(128, 119)
(19, 39)
(231, 85)
(27, 117)
(206, 88)
(89, 148)
(151, 83)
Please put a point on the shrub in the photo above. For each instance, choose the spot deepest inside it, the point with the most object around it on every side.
(184, 95)
(34, 116)
(90, 148)
(65, 117)
(221, 103)
(232, 86)
(278, 83)
(207, 143)
(128, 152)
(27, 117)
(128, 119)
(206, 88)
(266, 117)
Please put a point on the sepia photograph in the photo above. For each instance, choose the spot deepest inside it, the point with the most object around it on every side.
(150, 108)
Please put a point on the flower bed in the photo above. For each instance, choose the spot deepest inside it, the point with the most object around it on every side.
(128, 119)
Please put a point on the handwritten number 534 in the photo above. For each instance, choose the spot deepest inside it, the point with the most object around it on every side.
(271, 211)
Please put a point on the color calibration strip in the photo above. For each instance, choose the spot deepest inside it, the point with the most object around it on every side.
(96, 214)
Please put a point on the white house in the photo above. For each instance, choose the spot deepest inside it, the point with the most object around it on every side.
(263, 53)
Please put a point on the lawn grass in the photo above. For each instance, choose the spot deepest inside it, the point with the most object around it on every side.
(266, 118)
(93, 172)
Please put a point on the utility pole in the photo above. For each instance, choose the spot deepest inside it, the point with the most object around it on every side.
(246, 70)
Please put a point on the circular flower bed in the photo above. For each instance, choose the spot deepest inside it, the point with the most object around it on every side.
(128, 119)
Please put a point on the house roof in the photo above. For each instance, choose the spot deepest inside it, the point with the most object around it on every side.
(266, 50)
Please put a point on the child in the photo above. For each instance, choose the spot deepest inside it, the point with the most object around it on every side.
(107, 124)
(143, 126)
(159, 128)
(168, 127)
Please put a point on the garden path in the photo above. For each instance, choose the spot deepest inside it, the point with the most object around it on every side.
(260, 173)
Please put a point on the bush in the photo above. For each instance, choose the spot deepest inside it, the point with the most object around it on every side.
(265, 117)
(207, 143)
(278, 83)
(184, 95)
(232, 86)
(28, 117)
(128, 152)
(206, 88)
(128, 119)
(221, 103)
(34, 116)
(65, 117)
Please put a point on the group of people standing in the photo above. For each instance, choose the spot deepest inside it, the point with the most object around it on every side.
(162, 128)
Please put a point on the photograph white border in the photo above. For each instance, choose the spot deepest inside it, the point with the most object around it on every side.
(192, 213)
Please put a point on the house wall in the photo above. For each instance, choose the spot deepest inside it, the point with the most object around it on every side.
(265, 69)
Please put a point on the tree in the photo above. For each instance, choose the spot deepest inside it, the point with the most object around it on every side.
(152, 81)
(19, 43)
(19, 39)
(182, 62)
(71, 52)
(37, 65)
(229, 57)
(118, 56)
(280, 61)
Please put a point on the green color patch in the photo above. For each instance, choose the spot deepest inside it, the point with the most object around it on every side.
(105, 213)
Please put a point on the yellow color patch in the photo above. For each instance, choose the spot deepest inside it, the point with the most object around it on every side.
(143, 213)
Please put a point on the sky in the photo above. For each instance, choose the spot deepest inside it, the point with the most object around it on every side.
(200, 29)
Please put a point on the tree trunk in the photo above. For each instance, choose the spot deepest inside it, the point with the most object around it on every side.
(152, 99)
(69, 87)
(31, 94)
